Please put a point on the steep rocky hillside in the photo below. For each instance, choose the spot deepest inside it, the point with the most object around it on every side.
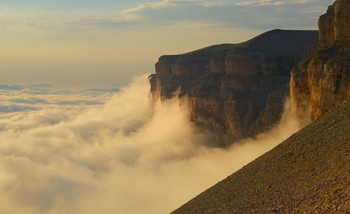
(322, 81)
(234, 90)
(308, 173)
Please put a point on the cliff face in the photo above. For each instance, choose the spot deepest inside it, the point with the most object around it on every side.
(323, 80)
(334, 25)
(234, 90)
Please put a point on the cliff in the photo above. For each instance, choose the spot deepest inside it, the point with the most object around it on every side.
(308, 173)
(322, 80)
(234, 90)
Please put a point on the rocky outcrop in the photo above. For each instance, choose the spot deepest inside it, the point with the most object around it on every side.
(322, 80)
(234, 90)
(326, 26)
(335, 24)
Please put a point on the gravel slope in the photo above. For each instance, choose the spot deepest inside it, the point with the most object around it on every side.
(307, 173)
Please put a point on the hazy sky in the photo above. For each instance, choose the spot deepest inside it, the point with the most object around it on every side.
(100, 43)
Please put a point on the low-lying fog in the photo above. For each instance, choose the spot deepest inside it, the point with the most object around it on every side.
(102, 153)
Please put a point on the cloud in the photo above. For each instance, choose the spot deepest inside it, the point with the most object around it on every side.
(15, 108)
(130, 155)
(233, 14)
(131, 13)
(252, 14)
(273, 2)
(78, 102)
(255, 3)
(29, 101)
(137, 13)
(19, 98)
(11, 87)
(140, 11)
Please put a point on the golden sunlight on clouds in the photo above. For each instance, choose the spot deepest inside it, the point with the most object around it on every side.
(114, 157)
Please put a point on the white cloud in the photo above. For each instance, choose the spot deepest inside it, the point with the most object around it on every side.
(132, 13)
(255, 3)
(248, 14)
(128, 156)
(155, 14)
(29, 97)
(214, 4)
(272, 2)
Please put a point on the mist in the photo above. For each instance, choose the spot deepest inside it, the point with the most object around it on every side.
(126, 155)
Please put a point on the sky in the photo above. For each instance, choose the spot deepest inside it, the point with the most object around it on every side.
(106, 43)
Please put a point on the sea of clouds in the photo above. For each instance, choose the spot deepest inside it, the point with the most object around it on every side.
(109, 151)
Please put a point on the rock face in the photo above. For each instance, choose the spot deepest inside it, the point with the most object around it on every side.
(322, 80)
(308, 173)
(234, 90)
(335, 24)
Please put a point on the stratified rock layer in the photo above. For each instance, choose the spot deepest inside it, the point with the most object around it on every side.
(234, 90)
(322, 80)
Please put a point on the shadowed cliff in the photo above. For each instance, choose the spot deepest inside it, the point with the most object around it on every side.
(234, 90)
(308, 173)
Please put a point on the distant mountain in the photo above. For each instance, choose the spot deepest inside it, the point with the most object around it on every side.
(234, 90)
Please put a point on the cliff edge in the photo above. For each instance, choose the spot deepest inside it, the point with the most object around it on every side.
(234, 90)
(322, 80)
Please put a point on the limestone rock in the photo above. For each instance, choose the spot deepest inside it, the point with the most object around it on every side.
(335, 24)
(322, 80)
(326, 27)
(234, 90)
(342, 21)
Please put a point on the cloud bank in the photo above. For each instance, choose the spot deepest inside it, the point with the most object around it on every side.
(20, 98)
(129, 155)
